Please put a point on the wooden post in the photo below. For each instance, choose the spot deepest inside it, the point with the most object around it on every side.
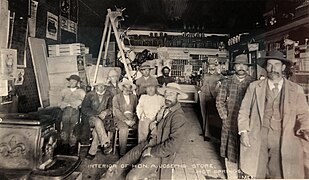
(107, 43)
(101, 48)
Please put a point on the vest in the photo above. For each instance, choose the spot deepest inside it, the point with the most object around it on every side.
(272, 113)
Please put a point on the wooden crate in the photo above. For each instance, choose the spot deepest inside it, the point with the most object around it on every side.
(66, 49)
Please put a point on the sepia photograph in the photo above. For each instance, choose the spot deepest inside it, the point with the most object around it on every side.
(154, 89)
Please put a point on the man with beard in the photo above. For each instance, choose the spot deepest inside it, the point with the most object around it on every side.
(113, 79)
(165, 78)
(228, 103)
(273, 122)
(207, 95)
(167, 136)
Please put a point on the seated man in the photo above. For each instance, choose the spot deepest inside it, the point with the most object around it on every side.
(124, 106)
(165, 78)
(70, 102)
(96, 112)
(167, 135)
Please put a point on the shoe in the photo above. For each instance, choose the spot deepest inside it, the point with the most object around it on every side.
(206, 138)
(107, 149)
(90, 157)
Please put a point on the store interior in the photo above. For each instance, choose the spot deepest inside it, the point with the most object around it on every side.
(43, 42)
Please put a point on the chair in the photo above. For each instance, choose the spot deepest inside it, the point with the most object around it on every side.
(132, 139)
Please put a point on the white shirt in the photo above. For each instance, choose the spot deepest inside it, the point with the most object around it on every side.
(73, 89)
(272, 86)
(149, 106)
(127, 98)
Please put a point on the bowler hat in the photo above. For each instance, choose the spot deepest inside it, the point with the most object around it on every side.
(273, 55)
(75, 77)
(241, 59)
(173, 87)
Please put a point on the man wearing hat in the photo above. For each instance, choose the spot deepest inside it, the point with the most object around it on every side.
(70, 101)
(165, 78)
(147, 109)
(145, 70)
(113, 78)
(97, 112)
(167, 135)
(273, 122)
(124, 107)
(228, 102)
(209, 87)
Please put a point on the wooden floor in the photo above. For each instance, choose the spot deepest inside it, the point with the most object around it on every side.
(197, 159)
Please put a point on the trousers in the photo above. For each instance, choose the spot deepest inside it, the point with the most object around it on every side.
(99, 135)
(139, 167)
(269, 165)
(70, 117)
(205, 103)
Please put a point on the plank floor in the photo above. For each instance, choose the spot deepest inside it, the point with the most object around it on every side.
(196, 160)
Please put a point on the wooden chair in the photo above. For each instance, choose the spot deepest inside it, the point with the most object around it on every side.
(132, 139)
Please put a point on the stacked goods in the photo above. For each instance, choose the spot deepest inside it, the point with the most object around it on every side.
(60, 68)
(305, 61)
(67, 49)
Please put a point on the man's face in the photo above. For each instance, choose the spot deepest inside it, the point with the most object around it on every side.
(171, 98)
(274, 69)
(73, 83)
(151, 90)
(212, 68)
(145, 72)
(127, 89)
(113, 79)
(166, 72)
(241, 69)
(101, 88)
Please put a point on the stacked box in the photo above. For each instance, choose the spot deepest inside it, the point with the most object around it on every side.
(66, 49)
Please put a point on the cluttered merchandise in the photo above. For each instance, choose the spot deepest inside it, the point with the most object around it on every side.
(156, 90)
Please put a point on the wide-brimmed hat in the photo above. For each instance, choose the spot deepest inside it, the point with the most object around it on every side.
(241, 59)
(262, 61)
(75, 77)
(126, 82)
(173, 87)
(151, 82)
(145, 65)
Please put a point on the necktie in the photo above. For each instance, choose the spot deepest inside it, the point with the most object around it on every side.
(276, 89)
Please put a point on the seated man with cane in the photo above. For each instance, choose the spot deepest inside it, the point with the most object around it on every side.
(166, 138)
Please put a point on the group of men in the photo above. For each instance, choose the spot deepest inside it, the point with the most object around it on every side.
(265, 123)
(154, 110)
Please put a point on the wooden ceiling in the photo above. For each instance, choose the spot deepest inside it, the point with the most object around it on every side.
(226, 16)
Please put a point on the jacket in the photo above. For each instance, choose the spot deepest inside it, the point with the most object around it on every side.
(295, 117)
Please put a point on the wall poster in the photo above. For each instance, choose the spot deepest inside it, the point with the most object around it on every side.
(52, 26)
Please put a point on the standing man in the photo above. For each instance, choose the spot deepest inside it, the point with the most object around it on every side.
(97, 113)
(145, 70)
(209, 87)
(273, 122)
(167, 135)
(165, 78)
(113, 79)
(70, 102)
(124, 107)
(228, 102)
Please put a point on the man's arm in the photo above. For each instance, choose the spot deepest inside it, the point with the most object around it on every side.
(81, 94)
(221, 100)
(302, 114)
(86, 108)
(245, 110)
(175, 140)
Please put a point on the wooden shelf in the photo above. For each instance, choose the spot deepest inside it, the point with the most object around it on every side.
(302, 73)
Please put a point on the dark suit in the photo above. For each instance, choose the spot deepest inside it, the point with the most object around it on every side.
(170, 136)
